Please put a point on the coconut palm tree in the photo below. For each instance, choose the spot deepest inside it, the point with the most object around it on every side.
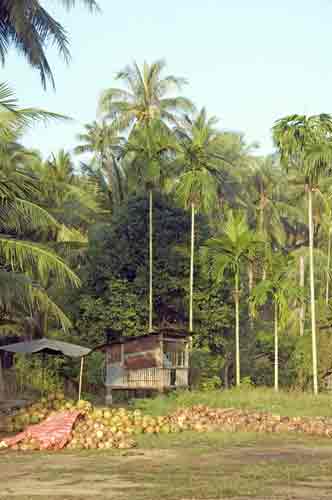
(25, 265)
(105, 145)
(236, 245)
(69, 197)
(326, 225)
(303, 143)
(264, 185)
(145, 110)
(14, 119)
(146, 97)
(28, 27)
(19, 213)
(200, 162)
(278, 288)
(149, 150)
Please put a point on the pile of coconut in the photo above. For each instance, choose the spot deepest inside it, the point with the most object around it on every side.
(37, 412)
(202, 419)
(95, 428)
(106, 428)
(116, 428)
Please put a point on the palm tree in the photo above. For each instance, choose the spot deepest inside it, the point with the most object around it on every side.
(105, 145)
(326, 223)
(279, 288)
(149, 148)
(29, 28)
(145, 110)
(303, 143)
(14, 119)
(200, 161)
(265, 187)
(68, 196)
(235, 246)
(19, 214)
(145, 98)
(26, 265)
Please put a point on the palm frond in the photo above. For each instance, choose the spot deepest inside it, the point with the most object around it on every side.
(37, 261)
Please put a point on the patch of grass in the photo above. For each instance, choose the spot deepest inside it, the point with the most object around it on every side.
(197, 442)
(182, 466)
(284, 403)
(210, 474)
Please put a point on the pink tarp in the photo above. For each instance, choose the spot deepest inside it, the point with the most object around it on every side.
(53, 433)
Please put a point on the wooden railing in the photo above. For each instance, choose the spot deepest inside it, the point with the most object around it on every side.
(152, 378)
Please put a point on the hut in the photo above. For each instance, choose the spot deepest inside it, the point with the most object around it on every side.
(158, 361)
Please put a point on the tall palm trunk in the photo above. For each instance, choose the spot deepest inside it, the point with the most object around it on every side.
(276, 349)
(261, 232)
(237, 330)
(328, 268)
(150, 261)
(250, 286)
(312, 294)
(302, 308)
(191, 284)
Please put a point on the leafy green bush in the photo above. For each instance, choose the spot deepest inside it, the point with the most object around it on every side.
(205, 370)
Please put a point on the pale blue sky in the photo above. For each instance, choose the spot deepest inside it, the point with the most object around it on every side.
(248, 61)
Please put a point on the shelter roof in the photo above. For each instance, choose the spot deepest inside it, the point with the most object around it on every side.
(47, 346)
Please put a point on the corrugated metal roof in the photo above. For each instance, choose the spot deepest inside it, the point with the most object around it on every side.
(172, 333)
(47, 346)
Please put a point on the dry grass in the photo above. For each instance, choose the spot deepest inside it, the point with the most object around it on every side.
(177, 467)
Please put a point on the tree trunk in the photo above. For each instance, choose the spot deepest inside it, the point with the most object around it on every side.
(250, 286)
(302, 308)
(250, 277)
(237, 330)
(226, 374)
(150, 261)
(328, 269)
(261, 231)
(191, 284)
(312, 294)
(276, 349)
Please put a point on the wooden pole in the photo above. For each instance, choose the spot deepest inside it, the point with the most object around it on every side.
(43, 374)
(81, 377)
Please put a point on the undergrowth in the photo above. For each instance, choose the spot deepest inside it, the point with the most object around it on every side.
(292, 403)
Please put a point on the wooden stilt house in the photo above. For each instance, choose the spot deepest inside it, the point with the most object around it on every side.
(158, 361)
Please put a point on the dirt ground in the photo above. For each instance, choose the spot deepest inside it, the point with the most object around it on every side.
(269, 469)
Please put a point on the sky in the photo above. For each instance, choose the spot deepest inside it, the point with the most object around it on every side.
(249, 62)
